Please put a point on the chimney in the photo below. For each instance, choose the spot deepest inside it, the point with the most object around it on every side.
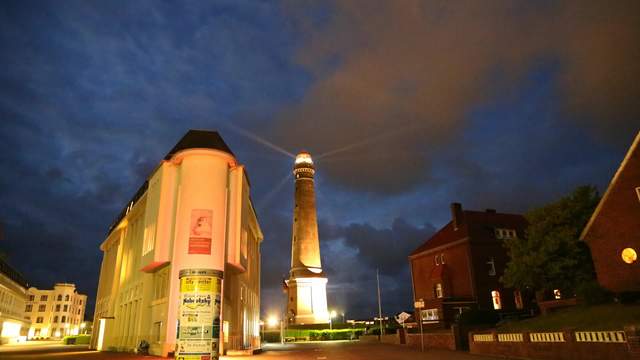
(491, 211)
(457, 215)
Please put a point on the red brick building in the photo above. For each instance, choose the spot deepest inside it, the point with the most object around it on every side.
(613, 233)
(460, 266)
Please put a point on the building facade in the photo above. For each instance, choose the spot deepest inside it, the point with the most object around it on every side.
(193, 212)
(613, 231)
(307, 284)
(55, 313)
(460, 266)
(13, 296)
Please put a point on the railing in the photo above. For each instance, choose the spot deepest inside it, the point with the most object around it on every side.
(601, 336)
(547, 337)
(514, 337)
(483, 337)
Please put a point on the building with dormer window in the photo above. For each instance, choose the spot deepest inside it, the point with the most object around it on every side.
(460, 266)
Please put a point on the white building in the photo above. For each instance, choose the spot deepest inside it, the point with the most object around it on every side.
(193, 212)
(13, 290)
(55, 313)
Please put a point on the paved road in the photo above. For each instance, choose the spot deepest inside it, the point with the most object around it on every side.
(356, 351)
(342, 350)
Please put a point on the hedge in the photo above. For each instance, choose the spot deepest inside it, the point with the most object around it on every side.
(77, 340)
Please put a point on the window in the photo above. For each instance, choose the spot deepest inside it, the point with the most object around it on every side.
(495, 296)
(66, 297)
(78, 311)
(491, 267)
(66, 308)
(517, 297)
(557, 294)
(57, 307)
(32, 297)
(64, 319)
(42, 308)
(505, 233)
(39, 319)
(430, 314)
(157, 331)
(436, 260)
(149, 238)
(80, 301)
(629, 255)
(439, 259)
(44, 297)
(437, 289)
(55, 319)
(28, 308)
(59, 297)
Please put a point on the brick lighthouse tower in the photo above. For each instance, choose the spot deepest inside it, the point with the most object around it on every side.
(307, 285)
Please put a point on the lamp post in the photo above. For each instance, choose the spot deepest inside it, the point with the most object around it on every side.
(332, 314)
(420, 305)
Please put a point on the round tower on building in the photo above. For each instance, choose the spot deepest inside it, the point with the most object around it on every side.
(306, 287)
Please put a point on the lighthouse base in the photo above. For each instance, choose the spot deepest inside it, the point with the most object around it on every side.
(307, 302)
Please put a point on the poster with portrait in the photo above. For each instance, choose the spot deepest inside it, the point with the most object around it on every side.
(200, 230)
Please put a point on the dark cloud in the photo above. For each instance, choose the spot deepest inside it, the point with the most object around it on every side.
(396, 80)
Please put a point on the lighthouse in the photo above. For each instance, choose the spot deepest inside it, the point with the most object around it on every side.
(307, 284)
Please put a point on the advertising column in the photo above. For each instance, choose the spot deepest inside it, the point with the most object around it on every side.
(199, 314)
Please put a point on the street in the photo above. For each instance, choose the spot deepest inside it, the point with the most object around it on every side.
(327, 350)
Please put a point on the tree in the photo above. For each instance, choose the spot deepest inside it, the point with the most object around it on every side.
(551, 255)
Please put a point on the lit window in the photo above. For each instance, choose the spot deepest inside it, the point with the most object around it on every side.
(629, 255)
(430, 314)
(437, 260)
(557, 294)
(517, 296)
(441, 258)
(495, 296)
(438, 290)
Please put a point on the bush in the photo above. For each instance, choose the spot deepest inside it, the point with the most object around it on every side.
(76, 340)
(478, 317)
(629, 297)
(591, 293)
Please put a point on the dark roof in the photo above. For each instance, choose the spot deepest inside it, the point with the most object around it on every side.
(13, 274)
(474, 224)
(193, 139)
(203, 139)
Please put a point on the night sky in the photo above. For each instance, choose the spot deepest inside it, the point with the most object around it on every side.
(414, 105)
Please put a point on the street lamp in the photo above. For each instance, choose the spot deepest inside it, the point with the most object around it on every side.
(331, 316)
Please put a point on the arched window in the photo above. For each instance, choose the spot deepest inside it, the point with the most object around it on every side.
(66, 297)
(495, 296)
(59, 297)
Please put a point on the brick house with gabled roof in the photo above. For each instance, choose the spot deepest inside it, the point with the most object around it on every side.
(613, 232)
(460, 266)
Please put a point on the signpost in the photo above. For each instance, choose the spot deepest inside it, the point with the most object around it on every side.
(420, 305)
(199, 314)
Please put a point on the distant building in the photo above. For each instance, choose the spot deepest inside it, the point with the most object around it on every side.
(55, 313)
(459, 267)
(13, 296)
(193, 212)
(613, 232)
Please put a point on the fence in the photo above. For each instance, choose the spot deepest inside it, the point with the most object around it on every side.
(562, 345)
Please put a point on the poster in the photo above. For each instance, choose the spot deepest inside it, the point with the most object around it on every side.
(199, 314)
(200, 231)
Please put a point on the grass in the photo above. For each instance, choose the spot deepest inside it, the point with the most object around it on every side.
(597, 317)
